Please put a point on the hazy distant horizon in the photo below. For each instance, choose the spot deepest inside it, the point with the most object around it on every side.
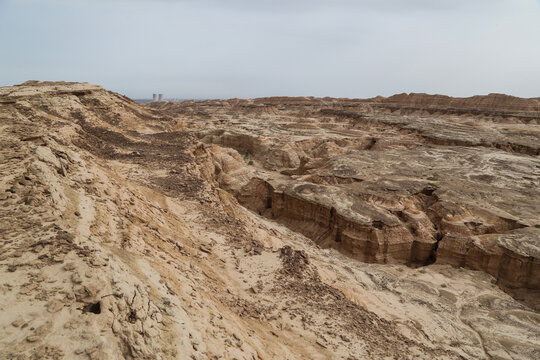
(175, 99)
(178, 99)
(210, 49)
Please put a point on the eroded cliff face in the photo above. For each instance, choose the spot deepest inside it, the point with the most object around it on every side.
(416, 231)
(447, 181)
(122, 236)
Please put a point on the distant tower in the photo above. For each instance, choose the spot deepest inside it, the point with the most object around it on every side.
(160, 97)
(154, 97)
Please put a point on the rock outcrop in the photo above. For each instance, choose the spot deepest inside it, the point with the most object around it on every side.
(487, 102)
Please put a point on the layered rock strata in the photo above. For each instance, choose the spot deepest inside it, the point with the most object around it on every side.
(443, 180)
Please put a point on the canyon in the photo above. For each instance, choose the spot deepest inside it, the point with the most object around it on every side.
(427, 181)
(405, 227)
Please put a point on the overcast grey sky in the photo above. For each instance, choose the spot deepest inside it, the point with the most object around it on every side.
(252, 48)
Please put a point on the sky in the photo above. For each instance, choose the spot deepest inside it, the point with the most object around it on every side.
(252, 48)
